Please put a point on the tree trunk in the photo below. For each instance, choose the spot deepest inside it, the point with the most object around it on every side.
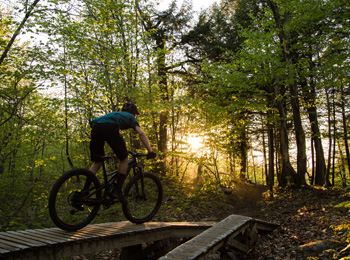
(163, 117)
(278, 157)
(345, 130)
(300, 137)
(243, 147)
(271, 177)
(327, 183)
(312, 180)
(287, 168)
(342, 167)
(310, 98)
(320, 160)
(265, 171)
(66, 116)
(334, 140)
(299, 131)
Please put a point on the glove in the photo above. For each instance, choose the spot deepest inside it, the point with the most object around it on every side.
(151, 155)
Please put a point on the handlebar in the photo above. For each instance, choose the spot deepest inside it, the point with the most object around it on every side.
(136, 154)
(150, 155)
(133, 153)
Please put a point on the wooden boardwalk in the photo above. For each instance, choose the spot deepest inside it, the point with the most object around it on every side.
(238, 232)
(54, 243)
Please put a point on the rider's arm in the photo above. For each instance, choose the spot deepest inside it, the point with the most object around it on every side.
(143, 138)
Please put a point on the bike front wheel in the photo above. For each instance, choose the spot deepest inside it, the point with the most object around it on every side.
(73, 201)
(144, 195)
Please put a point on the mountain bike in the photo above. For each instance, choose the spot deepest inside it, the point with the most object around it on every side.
(77, 195)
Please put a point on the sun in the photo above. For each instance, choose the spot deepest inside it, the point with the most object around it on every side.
(195, 143)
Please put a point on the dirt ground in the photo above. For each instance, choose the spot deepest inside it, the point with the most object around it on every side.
(248, 198)
(304, 216)
(310, 226)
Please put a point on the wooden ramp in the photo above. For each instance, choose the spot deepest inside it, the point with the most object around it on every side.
(236, 231)
(54, 243)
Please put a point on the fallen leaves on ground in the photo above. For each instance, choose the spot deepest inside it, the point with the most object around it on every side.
(310, 226)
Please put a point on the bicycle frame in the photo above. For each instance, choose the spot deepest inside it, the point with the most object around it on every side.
(132, 165)
(80, 193)
(137, 169)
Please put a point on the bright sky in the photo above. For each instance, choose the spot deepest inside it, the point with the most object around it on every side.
(197, 4)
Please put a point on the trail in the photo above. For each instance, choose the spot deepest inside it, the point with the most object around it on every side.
(248, 198)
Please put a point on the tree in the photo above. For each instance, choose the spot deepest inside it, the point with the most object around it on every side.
(28, 12)
(293, 87)
(165, 29)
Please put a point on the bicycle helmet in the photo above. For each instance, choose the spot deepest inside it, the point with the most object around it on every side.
(131, 108)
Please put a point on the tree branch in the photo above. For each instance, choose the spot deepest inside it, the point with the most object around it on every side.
(17, 32)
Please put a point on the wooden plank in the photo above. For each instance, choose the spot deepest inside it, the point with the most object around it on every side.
(56, 235)
(54, 243)
(33, 236)
(54, 232)
(98, 230)
(190, 224)
(114, 242)
(148, 232)
(52, 236)
(118, 230)
(236, 244)
(215, 237)
(184, 252)
(2, 250)
(22, 239)
(45, 235)
(104, 231)
(7, 247)
(87, 233)
(211, 239)
(17, 242)
(13, 244)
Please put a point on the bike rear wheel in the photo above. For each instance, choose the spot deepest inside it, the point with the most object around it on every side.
(144, 195)
(71, 205)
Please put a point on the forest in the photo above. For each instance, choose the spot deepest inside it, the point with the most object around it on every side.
(245, 91)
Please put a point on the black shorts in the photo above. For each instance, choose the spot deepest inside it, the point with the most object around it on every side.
(106, 132)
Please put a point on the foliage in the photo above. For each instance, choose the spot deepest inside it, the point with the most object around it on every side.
(226, 77)
(343, 205)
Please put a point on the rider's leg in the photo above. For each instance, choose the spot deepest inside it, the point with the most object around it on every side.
(95, 167)
(117, 143)
(121, 176)
(97, 147)
(123, 166)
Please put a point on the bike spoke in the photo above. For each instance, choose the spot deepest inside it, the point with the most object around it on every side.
(70, 203)
(71, 192)
(143, 202)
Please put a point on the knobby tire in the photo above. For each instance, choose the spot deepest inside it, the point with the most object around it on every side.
(68, 207)
(143, 204)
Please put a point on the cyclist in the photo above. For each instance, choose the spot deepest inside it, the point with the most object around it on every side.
(106, 129)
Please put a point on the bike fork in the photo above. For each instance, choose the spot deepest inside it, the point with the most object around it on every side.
(139, 170)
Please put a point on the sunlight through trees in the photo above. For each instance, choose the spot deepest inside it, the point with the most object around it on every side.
(244, 90)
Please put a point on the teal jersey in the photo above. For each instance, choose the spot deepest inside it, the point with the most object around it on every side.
(124, 120)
